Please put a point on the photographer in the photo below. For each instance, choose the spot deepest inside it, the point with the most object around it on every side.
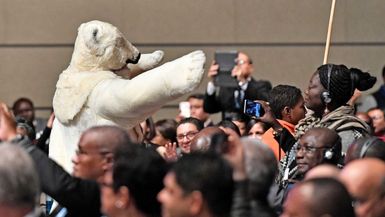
(219, 98)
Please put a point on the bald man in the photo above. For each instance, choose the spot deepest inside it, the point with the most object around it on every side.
(323, 171)
(365, 180)
(317, 146)
(318, 197)
(203, 140)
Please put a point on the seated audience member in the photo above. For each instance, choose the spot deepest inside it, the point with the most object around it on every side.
(165, 132)
(255, 129)
(329, 90)
(19, 183)
(366, 147)
(80, 195)
(317, 146)
(376, 99)
(318, 197)
(202, 141)
(132, 187)
(254, 170)
(240, 120)
(197, 111)
(365, 181)
(198, 184)
(185, 132)
(323, 171)
(226, 124)
(378, 119)
(261, 168)
(365, 117)
(24, 128)
(287, 104)
(24, 108)
(148, 128)
(230, 100)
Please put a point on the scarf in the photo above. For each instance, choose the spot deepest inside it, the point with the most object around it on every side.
(339, 120)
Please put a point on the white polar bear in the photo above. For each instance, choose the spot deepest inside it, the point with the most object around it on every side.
(91, 92)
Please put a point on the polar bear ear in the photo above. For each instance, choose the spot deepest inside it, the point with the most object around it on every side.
(92, 35)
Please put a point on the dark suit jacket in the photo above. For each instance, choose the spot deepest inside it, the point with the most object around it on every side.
(80, 197)
(223, 99)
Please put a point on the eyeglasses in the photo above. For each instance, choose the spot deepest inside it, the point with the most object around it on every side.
(240, 62)
(188, 135)
(307, 149)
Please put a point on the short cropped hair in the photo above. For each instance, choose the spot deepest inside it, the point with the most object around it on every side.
(142, 171)
(209, 174)
(331, 199)
(198, 123)
(281, 96)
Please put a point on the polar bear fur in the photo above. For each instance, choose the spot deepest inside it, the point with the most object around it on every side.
(94, 90)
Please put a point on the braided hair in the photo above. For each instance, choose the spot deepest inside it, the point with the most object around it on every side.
(343, 81)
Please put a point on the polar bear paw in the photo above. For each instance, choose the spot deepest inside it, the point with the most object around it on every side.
(187, 72)
(148, 61)
(193, 64)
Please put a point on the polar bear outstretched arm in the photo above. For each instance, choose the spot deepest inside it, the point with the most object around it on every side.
(146, 62)
(120, 98)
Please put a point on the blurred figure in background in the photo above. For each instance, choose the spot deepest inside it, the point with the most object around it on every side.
(230, 100)
(255, 128)
(378, 119)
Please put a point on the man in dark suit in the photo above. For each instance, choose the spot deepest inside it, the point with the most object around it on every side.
(229, 100)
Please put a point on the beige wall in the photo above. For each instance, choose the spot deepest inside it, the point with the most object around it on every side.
(284, 38)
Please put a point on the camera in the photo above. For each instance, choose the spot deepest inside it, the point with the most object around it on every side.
(253, 109)
(226, 61)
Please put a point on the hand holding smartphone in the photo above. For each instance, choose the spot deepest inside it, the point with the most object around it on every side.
(253, 109)
(184, 108)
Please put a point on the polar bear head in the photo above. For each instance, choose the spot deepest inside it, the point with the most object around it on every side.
(100, 46)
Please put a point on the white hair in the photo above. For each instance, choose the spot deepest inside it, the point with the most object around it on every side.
(19, 183)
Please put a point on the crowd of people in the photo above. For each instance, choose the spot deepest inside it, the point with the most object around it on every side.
(309, 154)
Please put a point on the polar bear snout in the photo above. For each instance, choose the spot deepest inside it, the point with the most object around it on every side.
(134, 61)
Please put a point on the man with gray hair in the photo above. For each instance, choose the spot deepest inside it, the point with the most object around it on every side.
(261, 168)
(19, 184)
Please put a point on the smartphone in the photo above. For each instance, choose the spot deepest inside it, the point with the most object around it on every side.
(253, 109)
(184, 108)
(226, 61)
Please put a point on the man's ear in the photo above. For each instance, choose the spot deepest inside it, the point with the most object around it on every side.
(286, 112)
(109, 158)
(124, 196)
(197, 203)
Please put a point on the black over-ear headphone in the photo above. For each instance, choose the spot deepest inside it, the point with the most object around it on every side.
(325, 96)
(365, 147)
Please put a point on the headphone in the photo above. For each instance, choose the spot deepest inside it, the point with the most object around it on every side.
(366, 146)
(325, 96)
(330, 153)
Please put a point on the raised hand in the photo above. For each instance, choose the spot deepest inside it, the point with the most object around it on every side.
(170, 154)
(7, 124)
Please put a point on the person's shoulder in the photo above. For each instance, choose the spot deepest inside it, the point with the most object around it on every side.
(261, 83)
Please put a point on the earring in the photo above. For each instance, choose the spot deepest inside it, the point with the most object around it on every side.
(118, 204)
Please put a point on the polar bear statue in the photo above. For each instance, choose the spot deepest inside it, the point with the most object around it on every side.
(92, 90)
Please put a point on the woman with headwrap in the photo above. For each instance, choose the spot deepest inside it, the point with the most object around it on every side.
(330, 88)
